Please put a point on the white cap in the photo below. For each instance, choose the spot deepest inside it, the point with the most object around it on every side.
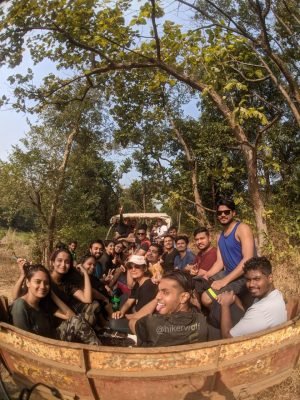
(138, 260)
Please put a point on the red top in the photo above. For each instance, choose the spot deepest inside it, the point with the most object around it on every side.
(207, 259)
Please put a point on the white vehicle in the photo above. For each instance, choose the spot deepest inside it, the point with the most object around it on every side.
(140, 218)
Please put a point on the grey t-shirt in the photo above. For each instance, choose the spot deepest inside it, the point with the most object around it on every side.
(29, 319)
(263, 314)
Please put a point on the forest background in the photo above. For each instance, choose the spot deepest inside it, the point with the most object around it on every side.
(124, 74)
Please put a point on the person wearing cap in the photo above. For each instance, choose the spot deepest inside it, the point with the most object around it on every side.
(143, 291)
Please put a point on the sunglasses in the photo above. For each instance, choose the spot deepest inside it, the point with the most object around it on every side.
(225, 212)
(134, 266)
(141, 233)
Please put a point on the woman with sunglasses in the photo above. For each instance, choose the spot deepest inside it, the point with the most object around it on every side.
(171, 318)
(143, 291)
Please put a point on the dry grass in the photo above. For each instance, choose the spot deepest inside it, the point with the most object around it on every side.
(286, 277)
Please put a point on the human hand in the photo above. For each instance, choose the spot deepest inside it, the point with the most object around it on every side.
(109, 276)
(218, 284)
(156, 278)
(80, 268)
(226, 298)
(117, 315)
(21, 263)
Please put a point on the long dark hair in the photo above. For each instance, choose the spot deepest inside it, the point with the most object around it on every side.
(56, 253)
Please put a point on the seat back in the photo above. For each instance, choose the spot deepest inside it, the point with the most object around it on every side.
(292, 307)
(4, 309)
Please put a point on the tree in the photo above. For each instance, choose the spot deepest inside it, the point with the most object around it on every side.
(97, 39)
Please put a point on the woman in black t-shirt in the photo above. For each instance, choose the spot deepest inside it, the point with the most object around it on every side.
(143, 291)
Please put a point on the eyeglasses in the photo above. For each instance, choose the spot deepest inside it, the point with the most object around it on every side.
(134, 266)
(141, 233)
(225, 212)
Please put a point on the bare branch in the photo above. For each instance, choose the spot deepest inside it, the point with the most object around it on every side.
(157, 41)
(265, 128)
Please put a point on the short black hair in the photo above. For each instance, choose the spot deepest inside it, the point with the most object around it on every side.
(201, 229)
(159, 248)
(261, 264)
(182, 237)
(173, 227)
(226, 202)
(183, 278)
(143, 227)
(169, 236)
(99, 241)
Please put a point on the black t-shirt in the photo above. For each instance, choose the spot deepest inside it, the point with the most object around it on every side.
(143, 294)
(172, 329)
(106, 263)
(168, 260)
(65, 290)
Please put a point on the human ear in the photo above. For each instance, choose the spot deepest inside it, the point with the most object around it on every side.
(184, 297)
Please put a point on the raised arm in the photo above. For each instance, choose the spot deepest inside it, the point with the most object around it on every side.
(84, 295)
(17, 289)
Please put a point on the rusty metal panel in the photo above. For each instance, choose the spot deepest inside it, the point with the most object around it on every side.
(212, 371)
(266, 342)
(20, 343)
(133, 361)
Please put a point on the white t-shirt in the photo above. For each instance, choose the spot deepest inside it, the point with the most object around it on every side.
(263, 314)
(161, 230)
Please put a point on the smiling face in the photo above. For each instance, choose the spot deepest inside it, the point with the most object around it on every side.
(168, 243)
(136, 271)
(38, 285)
(110, 249)
(181, 245)
(89, 264)
(119, 248)
(202, 240)
(96, 250)
(171, 297)
(225, 215)
(152, 255)
(62, 263)
(258, 284)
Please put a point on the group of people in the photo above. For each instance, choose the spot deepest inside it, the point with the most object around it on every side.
(154, 289)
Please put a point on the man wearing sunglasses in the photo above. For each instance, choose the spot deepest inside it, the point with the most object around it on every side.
(142, 242)
(235, 247)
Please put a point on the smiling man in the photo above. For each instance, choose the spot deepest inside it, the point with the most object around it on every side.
(235, 247)
(171, 319)
(268, 309)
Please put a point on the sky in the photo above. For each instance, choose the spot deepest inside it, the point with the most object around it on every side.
(13, 124)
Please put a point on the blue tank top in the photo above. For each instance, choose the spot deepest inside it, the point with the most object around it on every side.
(231, 250)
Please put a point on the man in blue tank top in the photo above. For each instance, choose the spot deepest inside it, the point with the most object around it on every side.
(235, 247)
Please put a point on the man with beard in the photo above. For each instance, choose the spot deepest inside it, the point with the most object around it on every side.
(153, 259)
(207, 255)
(235, 247)
(96, 249)
(268, 309)
(169, 254)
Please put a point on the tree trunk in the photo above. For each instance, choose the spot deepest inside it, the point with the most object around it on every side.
(255, 195)
(201, 214)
